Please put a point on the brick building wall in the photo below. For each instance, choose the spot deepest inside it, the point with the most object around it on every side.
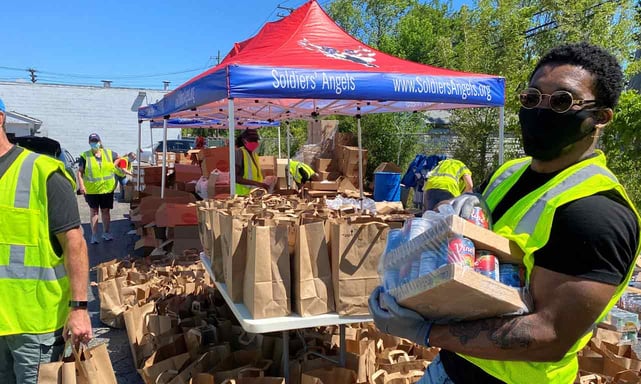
(70, 113)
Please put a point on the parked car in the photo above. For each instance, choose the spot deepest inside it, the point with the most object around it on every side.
(178, 146)
(49, 147)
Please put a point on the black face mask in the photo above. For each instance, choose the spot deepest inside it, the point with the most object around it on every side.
(546, 133)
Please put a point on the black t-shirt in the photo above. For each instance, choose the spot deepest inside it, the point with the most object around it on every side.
(62, 204)
(593, 238)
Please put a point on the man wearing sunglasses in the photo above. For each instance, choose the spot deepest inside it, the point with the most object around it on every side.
(570, 215)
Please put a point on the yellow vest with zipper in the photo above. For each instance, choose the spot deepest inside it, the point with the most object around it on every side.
(528, 223)
(34, 288)
(448, 176)
(296, 166)
(98, 177)
(251, 171)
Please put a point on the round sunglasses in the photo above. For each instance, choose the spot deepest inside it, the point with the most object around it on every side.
(559, 101)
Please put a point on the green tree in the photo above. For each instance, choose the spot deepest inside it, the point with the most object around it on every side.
(621, 141)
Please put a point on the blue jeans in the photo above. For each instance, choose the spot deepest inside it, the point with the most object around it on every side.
(122, 181)
(21, 355)
(435, 373)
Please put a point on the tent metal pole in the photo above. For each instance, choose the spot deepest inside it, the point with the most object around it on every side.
(151, 142)
(139, 154)
(287, 175)
(501, 133)
(232, 148)
(360, 156)
(164, 157)
(279, 142)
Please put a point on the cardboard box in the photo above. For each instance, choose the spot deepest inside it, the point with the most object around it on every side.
(267, 165)
(154, 190)
(281, 168)
(220, 153)
(185, 173)
(324, 185)
(218, 161)
(325, 165)
(455, 292)
(173, 214)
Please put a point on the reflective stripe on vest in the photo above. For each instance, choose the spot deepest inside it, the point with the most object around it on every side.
(251, 171)
(528, 223)
(16, 269)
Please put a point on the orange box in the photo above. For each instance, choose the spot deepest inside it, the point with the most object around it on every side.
(186, 173)
(172, 215)
(215, 158)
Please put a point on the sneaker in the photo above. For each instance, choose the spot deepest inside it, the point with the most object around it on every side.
(107, 236)
(94, 239)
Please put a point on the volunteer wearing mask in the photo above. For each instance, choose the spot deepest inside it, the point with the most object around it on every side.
(96, 179)
(569, 214)
(248, 173)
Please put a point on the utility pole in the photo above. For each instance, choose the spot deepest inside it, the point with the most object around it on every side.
(33, 74)
(281, 15)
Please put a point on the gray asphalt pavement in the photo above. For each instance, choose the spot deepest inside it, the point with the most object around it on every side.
(118, 248)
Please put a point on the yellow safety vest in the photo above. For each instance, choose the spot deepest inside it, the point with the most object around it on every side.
(448, 176)
(119, 171)
(34, 288)
(99, 177)
(296, 166)
(251, 171)
(528, 223)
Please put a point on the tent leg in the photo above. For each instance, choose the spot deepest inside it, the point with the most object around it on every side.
(501, 133)
(360, 157)
(279, 156)
(139, 154)
(287, 175)
(232, 148)
(164, 157)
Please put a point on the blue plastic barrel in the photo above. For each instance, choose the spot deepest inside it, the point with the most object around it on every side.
(387, 186)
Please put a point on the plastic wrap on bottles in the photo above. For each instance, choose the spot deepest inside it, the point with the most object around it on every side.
(341, 202)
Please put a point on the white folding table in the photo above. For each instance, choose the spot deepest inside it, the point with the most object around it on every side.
(285, 324)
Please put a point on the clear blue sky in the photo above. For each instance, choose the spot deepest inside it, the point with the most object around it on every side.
(135, 43)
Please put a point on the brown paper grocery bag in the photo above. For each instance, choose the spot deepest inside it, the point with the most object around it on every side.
(234, 249)
(137, 329)
(331, 375)
(356, 247)
(107, 270)
(95, 365)
(216, 251)
(267, 272)
(312, 277)
(64, 371)
(111, 306)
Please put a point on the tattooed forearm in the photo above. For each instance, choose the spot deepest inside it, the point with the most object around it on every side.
(504, 333)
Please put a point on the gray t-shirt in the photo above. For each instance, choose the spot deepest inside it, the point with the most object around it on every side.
(62, 204)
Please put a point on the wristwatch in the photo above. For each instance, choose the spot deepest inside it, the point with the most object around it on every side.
(77, 304)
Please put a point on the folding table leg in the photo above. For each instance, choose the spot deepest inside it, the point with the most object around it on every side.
(285, 358)
(342, 357)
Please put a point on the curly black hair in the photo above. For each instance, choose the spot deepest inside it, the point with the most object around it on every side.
(604, 66)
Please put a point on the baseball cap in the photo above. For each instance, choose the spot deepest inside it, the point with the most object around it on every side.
(94, 137)
(2, 107)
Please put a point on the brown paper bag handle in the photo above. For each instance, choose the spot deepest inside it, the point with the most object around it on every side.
(244, 371)
(374, 376)
(170, 372)
(397, 352)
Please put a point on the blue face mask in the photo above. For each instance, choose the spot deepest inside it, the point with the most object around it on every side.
(95, 145)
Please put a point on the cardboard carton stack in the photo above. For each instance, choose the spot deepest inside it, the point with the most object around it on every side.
(347, 158)
(186, 176)
(149, 175)
(171, 158)
(214, 158)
